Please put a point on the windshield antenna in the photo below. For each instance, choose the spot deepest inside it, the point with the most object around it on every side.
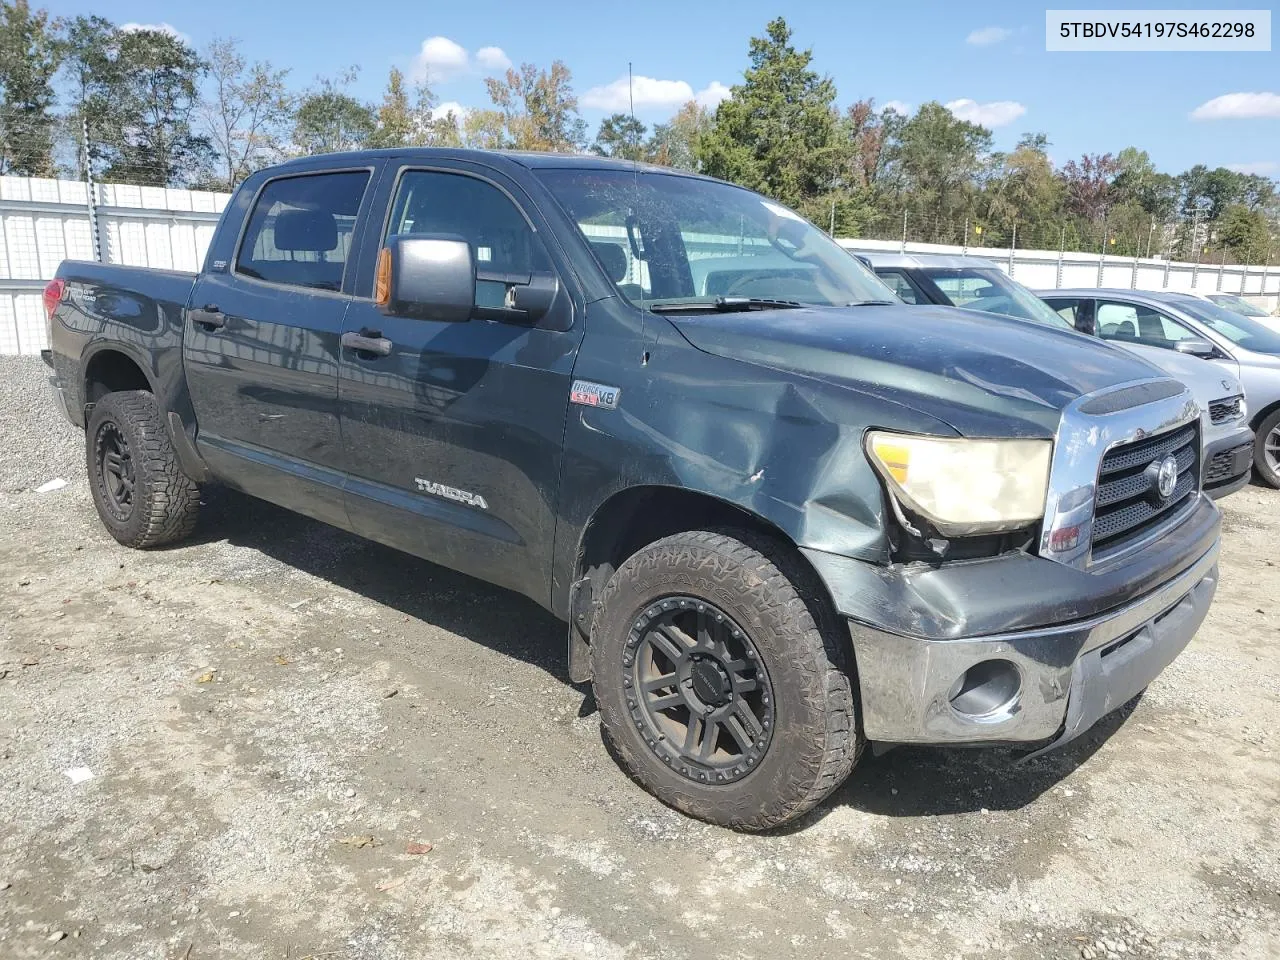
(635, 170)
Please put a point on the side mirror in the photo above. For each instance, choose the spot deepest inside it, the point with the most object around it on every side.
(1196, 348)
(431, 277)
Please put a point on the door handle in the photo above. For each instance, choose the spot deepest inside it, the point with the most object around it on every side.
(362, 343)
(213, 318)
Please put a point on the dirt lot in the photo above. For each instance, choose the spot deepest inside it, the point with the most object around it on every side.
(255, 705)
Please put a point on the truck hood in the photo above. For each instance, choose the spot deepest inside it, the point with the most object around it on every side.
(982, 374)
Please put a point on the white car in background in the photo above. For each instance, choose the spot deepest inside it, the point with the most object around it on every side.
(1229, 301)
(975, 283)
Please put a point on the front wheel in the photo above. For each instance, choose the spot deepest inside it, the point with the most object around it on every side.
(1266, 450)
(722, 690)
(143, 497)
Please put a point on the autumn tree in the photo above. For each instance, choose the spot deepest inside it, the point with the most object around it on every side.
(410, 121)
(675, 143)
(1022, 190)
(538, 109)
(247, 113)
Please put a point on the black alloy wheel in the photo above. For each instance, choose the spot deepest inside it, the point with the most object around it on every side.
(698, 689)
(116, 472)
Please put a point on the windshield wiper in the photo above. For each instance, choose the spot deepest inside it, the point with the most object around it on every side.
(871, 303)
(726, 305)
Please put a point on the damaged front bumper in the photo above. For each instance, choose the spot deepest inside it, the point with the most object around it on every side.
(939, 668)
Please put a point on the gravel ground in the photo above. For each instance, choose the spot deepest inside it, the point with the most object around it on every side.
(274, 712)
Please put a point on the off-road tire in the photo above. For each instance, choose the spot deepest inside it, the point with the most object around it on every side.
(165, 501)
(1265, 472)
(773, 597)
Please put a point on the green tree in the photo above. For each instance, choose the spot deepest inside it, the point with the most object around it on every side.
(1138, 182)
(538, 108)
(328, 119)
(139, 90)
(938, 158)
(776, 131)
(247, 112)
(1245, 233)
(1212, 191)
(29, 58)
(620, 136)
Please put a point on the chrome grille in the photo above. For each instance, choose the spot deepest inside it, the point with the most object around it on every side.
(1128, 502)
(1225, 410)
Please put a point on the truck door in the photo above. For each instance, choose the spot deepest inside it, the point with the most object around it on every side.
(453, 434)
(261, 348)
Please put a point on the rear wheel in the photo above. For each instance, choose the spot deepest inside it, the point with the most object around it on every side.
(143, 497)
(722, 690)
(1266, 450)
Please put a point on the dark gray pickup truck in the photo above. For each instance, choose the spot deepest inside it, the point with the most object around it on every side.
(780, 521)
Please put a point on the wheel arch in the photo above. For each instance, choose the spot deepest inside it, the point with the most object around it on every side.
(1256, 418)
(109, 368)
(637, 516)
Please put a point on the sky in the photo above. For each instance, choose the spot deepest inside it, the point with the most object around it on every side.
(986, 60)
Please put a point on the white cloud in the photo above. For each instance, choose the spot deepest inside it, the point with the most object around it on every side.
(651, 93)
(158, 28)
(711, 95)
(647, 92)
(986, 36)
(998, 113)
(1266, 168)
(899, 107)
(492, 58)
(439, 59)
(1239, 106)
(451, 106)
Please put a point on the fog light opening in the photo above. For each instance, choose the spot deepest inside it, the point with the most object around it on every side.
(986, 688)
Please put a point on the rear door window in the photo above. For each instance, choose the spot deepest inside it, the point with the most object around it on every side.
(299, 233)
(1141, 324)
(899, 284)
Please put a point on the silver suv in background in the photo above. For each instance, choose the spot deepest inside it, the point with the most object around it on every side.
(975, 283)
(1192, 326)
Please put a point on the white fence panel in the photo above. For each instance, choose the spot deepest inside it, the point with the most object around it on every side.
(44, 221)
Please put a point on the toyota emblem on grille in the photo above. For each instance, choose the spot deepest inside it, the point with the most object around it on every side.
(1167, 476)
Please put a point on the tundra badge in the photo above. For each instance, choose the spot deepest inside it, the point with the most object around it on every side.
(451, 493)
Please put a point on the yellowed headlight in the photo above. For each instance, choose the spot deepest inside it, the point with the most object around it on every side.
(965, 486)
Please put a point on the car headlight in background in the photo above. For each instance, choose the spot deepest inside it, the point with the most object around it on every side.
(965, 486)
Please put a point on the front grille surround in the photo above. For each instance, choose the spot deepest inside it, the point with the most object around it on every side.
(1226, 410)
(1122, 428)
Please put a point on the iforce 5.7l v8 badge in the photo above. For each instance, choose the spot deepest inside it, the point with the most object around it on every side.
(590, 394)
